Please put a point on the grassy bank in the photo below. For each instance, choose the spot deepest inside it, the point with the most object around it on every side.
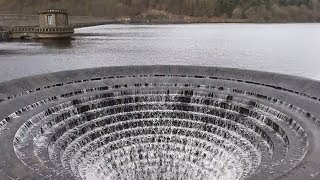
(263, 11)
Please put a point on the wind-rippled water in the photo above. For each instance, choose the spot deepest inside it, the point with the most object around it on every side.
(284, 48)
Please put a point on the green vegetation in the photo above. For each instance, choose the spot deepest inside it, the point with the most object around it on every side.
(249, 10)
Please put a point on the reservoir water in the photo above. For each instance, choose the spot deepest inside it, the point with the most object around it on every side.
(163, 122)
(284, 48)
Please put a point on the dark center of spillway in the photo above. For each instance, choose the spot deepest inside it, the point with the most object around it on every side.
(159, 124)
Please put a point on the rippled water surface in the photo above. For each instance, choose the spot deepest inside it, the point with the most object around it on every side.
(284, 48)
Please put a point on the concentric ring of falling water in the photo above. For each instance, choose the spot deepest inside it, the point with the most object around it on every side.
(160, 128)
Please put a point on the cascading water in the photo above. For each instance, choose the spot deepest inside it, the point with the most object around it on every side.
(159, 122)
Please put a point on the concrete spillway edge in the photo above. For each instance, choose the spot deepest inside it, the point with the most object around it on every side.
(289, 105)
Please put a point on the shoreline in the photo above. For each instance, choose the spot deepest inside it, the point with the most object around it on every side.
(7, 22)
(10, 20)
(83, 25)
(5, 31)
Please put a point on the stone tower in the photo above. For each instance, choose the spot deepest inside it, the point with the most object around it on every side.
(53, 18)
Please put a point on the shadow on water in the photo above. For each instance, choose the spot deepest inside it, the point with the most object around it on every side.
(35, 43)
(33, 46)
(56, 43)
(7, 52)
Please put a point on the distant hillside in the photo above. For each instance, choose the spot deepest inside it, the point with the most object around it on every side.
(251, 10)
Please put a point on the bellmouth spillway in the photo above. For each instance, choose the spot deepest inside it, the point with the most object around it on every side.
(160, 123)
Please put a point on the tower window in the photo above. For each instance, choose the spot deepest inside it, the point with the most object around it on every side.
(50, 20)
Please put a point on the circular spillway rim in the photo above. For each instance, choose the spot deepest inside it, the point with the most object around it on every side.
(303, 89)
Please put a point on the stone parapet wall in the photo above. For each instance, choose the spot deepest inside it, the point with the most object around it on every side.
(41, 32)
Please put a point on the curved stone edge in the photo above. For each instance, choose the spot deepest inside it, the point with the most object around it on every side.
(302, 85)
